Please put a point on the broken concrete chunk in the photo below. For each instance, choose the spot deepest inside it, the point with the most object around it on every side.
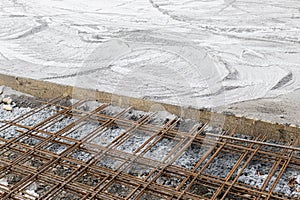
(7, 100)
(7, 107)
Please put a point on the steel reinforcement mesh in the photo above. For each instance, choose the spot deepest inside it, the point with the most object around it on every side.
(69, 152)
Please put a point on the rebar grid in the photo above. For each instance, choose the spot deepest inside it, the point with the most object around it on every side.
(39, 163)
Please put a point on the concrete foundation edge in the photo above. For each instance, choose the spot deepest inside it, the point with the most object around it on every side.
(43, 89)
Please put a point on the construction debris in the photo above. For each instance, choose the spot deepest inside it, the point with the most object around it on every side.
(7, 107)
(7, 100)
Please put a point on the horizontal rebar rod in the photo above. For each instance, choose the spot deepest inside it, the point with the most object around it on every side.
(255, 142)
(114, 153)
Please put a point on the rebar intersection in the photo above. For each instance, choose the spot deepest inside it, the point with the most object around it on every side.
(56, 152)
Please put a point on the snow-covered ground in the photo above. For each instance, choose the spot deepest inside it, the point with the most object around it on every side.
(190, 52)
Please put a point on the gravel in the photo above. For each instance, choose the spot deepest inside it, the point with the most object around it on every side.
(119, 190)
(254, 174)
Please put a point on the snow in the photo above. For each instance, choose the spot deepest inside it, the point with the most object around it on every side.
(187, 52)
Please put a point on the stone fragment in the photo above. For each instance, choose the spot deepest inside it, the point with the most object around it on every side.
(7, 107)
(7, 100)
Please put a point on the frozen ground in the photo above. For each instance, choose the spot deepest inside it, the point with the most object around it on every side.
(188, 52)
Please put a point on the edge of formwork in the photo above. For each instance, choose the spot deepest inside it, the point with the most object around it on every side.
(44, 89)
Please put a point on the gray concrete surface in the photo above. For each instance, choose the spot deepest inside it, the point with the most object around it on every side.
(237, 56)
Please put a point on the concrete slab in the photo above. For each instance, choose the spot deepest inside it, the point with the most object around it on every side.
(235, 56)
